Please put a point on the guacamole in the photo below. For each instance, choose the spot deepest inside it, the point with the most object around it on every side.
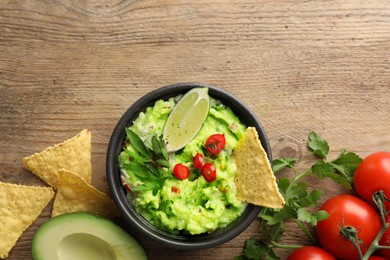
(191, 206)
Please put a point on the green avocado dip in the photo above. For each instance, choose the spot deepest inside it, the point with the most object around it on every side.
(193, 205)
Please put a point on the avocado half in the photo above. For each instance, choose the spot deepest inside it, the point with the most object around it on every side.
(84, 236)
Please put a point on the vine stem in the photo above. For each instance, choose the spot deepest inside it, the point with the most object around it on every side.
(351, 234)
(379, 198)
(375, 244)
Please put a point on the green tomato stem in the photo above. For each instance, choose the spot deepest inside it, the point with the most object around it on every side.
(375, 244)
(378, 198)
(350, 233)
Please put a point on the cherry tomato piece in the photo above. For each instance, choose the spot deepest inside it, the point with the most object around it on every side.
(209, 172)
(197, 161)
(310, 253)
(347, 211)
(175, 189)
(181, 172)
(215, 143)
(373, 174)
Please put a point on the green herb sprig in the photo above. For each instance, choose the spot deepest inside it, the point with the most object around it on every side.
(151, 166)
(301, 200)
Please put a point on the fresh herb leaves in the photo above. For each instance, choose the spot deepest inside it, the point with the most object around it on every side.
(301, 200)
(150, 166)
(256, 250)
(318, 146)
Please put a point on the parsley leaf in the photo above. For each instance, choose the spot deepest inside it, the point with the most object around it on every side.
(319, 146)
(306, 216)
(280, 164)
(346, 164)
(255, 249)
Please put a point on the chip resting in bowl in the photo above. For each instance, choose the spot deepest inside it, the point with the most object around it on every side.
(254, 179)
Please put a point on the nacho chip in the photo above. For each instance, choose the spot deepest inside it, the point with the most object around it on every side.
(75, 194)
(73, 154)
(255, 180)
(20, 206)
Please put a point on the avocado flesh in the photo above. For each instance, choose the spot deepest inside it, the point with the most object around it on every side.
(80, 236)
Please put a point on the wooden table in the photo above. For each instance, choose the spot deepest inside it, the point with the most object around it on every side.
(299, 65)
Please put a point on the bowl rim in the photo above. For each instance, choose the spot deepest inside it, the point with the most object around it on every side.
(118, 193)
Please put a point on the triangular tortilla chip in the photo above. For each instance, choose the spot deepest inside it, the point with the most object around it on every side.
(74, 154)
(254, 179)
(20, 206)
(75, 194)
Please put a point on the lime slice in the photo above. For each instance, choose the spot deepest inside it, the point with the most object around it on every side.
(186, 119)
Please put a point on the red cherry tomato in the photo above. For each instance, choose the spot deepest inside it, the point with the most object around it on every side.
(350, 211)
(197, 161)
(209, 172)
(181, 172)
(385, 241)
(215, 143)
(310, 253)
(373, 174)
(377, 257)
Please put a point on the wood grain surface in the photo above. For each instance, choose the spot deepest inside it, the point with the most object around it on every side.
(299, 65)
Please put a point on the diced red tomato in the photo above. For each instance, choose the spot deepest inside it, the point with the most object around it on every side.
(215, 143)
(197, 161)
(181, 172)
(209, 172)
(175, 189)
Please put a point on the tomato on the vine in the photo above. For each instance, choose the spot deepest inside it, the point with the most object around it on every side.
(209, 172)
(181, 172)
(215, 143)
(197, 161)
(373, 174)
(310, 253)
(347, 211)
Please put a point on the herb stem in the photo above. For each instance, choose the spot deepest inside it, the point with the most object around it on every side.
(284, 246)
(304, 229)
(296, 179)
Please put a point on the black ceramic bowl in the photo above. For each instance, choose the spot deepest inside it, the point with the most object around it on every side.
(136, 221)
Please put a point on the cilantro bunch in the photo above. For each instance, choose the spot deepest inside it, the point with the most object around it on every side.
(301, 200)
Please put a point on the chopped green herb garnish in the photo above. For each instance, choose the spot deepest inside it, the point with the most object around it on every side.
(149, 165)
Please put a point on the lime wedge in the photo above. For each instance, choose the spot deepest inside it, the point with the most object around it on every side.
(186, 119)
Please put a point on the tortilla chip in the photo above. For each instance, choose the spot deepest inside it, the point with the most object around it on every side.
(254, 179)
(74, 154)
(75, 194)
(20, 206)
